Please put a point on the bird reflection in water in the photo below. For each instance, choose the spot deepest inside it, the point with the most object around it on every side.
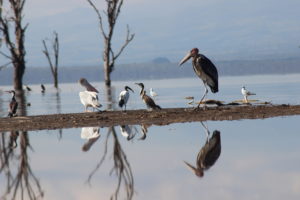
(15, 167)
(208, 154)
(91, 134)
(121, 167)
(128, 131)
(144, 129)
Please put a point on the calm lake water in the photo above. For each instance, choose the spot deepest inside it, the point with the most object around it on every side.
(260, 159)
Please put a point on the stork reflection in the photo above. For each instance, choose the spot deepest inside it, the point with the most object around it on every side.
(91, 134)
(208, 154)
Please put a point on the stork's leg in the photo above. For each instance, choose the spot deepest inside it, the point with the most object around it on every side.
(205, 93)
(206, 131)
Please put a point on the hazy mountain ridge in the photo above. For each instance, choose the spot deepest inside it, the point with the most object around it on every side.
(36, 75)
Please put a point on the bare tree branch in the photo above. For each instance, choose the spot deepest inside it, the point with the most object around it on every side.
(16, 45)
(112, 13)
(121, 168)
(5, 55)
(5, 65)
(129, 38)
(99, 18)
(53, 67)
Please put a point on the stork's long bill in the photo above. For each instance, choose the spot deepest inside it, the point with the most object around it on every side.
(196, 171)
(186, 58)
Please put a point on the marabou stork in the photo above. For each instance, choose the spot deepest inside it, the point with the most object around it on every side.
(246, 93)
(148, 100)
(124, 96)
(208, 154)
(89, 98)
(204, 69)
(13, 105)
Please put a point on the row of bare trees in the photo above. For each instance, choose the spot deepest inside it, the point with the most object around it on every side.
(12, 34)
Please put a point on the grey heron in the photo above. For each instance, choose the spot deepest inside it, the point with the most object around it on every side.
(151, 105)
(204, 69)
(124, 96)
(89, 98)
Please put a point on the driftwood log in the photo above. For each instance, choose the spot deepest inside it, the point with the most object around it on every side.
(161, 117)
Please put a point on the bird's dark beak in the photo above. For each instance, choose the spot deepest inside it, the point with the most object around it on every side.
(131, 89)
(196, 171)
(191, 167)
(186, 58)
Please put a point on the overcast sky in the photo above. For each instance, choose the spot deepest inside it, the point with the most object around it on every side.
(221, 29)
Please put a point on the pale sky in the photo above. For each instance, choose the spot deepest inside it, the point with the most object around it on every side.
(221, 29)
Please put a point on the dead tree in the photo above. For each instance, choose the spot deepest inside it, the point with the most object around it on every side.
(13, 19)
(112, 12)
(121, 167)
(53, 64)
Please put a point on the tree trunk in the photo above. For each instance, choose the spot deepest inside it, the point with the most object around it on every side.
(55, 79)
(19, 69)
(106, 64)
(107, 74)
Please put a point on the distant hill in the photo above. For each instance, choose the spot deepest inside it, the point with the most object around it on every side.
(161, 60)
(39, 75)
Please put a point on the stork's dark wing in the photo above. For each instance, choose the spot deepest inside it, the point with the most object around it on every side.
(210, 69)
(210, 152)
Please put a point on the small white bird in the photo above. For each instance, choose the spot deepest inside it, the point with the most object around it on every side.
(246, 93)
(152, 92)
(91, 134)
(124, 96)
(89, 98)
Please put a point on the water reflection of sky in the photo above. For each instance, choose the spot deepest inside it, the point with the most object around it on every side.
(259, 158)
